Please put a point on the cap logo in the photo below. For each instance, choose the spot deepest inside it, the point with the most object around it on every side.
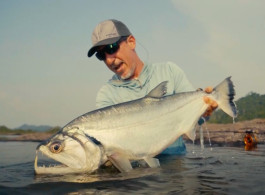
(111, 35)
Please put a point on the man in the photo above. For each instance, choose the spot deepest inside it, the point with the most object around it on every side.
(114, 44)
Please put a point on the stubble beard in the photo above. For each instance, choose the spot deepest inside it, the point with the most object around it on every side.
(129, 74)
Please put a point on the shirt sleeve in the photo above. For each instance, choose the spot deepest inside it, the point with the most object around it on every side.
(181, 82)
(103, 98)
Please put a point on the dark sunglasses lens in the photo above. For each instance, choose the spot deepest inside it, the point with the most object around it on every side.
(109, 49)
(100, 56)
(112, 48)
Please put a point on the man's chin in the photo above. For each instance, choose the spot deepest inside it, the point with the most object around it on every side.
(127, 76)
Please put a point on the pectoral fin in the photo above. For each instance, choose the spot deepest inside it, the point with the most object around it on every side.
(152, 162)
(120, 162)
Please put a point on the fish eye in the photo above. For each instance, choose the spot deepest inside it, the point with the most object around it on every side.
(56, 147)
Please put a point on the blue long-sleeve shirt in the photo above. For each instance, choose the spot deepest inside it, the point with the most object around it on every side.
(118, 90)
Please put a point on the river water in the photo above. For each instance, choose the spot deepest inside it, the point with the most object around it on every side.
(212, 170)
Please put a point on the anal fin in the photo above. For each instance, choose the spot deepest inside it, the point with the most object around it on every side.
(120, 162)
(152, 162)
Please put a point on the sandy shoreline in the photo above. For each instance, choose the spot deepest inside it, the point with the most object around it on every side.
(228, 134)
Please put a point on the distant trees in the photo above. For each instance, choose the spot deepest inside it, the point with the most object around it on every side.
(5, 130)
(249, 107)
(54, 129)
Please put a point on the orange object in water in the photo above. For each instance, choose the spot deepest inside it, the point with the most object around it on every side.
(250, 140)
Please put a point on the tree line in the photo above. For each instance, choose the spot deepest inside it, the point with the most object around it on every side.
(5, 130)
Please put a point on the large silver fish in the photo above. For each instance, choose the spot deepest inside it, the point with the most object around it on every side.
(135, 130)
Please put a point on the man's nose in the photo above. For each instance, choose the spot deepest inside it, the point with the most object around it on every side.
(109, 58)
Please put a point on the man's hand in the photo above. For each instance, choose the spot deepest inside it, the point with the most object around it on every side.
(212, 104)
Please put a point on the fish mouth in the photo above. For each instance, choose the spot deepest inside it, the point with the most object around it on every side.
(86, 158)
(53, 169)
(53, 145)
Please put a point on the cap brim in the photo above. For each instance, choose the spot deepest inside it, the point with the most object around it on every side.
(100, 43)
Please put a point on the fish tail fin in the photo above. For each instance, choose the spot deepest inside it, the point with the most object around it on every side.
(224, 94)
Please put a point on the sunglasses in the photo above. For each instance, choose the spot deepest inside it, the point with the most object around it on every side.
(109, 49)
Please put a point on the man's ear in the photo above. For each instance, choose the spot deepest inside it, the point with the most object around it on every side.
(131, 42)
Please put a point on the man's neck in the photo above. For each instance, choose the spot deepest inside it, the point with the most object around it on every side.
(138, 70)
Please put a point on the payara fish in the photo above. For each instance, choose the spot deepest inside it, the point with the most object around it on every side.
(134, 130)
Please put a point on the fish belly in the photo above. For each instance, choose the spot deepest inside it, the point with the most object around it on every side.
(151, 131)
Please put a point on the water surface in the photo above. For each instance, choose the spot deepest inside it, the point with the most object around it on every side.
(215, 170)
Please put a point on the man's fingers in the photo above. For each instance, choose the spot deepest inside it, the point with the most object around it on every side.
(212, 106)
(208, 89)
(207, 100)
(210, 101)
(208, 112)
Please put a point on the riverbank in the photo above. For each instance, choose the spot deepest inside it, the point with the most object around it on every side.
(231, 134)
(32, 137)
(221, 134)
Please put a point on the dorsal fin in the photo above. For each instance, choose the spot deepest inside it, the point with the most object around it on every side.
(158, 91)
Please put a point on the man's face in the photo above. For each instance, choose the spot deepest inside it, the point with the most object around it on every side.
(123, 62)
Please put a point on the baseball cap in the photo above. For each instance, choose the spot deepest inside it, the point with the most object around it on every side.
(107, 32)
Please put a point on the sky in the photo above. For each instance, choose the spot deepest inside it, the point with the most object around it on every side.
(46, 77)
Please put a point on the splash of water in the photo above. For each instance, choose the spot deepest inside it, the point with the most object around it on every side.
(201, 138)
(209, 138)
(193, 146)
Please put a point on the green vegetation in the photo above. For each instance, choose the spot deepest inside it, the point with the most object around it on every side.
(54, 129)
(249, 107)
(6, 131)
